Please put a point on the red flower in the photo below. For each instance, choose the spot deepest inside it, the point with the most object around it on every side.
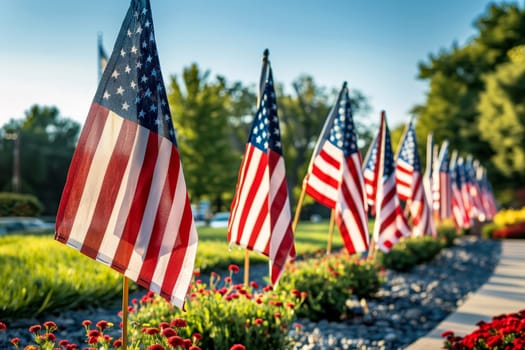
(94, 333)
(50, 325)
(194, 347)
(254, 285)
(86, 323)
(447, 334)
(15, 341)
(72, 346)
(63, 343)
(102, 325)
(152, 330)
(3, 327)
(92, 340)
(168, 332)
(35, 328)
(30, 347)
(176, 341)
(196, 337)
(233, 268)
(51, 337)
(156, 347)
(187, 343)
(179, 323)
(277, 315)
(238, 347)
(117, 343)
(228, 279)
(267, 288)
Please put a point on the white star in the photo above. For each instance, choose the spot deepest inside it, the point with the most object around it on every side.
(167, 117)
(148, 92)
(129, 33)
(154, 72)
(120, 90)
(147, 24)
(137, 99)
(144, 78)
(139, 30)
(149, 59)
(133, 84)
(266, 145)
(144, 44)
(144, 11)
(134, 49)
(139, 65)
(258, 139)
(127, 69)
(107, 95)
(153, 108)
(122, 52)
(125, 106)
(141, 114)
(115, 74)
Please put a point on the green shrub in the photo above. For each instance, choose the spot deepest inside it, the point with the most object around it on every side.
(488, 229)
(446, 231)
(225, 314)
(330, 281)
(410, 252)
(16, 204)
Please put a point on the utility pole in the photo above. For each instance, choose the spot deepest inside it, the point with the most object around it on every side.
(16, 160)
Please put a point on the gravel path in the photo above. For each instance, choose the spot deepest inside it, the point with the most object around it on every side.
(407, 307)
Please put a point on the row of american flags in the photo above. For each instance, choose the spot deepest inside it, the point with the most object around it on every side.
(125, 201)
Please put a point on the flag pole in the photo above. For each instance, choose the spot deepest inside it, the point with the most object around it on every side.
(262, 82)
(330, 232)
(299, 204)
(125, 297)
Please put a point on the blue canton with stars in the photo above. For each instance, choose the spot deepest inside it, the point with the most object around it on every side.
(372, 158)
(443, 166)
(342, 134)
(408, 152)
(132, 84)
(265, 133)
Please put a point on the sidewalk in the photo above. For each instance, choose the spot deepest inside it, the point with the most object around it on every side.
(503, 293)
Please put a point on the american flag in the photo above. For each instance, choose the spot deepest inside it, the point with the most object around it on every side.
(442, 186)
(390, 225)
(463, 182)
(261, 218)
(370, 174)
(475, 190)
(409, 182)
(487, 196)
(460, 214)
(125, 202)
(334, 177)
(427, 176)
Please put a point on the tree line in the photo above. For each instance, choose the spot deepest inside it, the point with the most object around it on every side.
(475, 100)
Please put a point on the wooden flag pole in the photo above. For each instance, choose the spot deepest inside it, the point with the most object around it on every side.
(125, 297)
(246, 268)
(299, 206)
(262, 82)
(330, 232)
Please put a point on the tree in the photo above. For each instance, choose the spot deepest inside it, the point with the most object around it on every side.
(502, 119)
(46, 142)
(200, 109)
(456, 83)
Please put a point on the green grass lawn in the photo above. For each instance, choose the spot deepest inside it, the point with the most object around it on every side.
(40, 274)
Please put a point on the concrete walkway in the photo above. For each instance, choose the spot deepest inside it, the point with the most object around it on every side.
(503, 293)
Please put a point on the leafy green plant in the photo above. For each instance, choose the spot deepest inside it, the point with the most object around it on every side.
(225, 314)
(329, 282)
(16, 204)
(410, 252)
(447, 233)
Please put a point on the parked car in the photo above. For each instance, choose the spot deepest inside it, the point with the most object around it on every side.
(24, 224)
(220, 219)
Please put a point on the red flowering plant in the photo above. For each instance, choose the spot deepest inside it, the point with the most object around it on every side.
(329, 281)
(228, 315)
(163, 337)
(502, 333)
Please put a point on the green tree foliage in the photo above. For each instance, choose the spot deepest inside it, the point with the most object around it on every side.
(502, 119)
(456, 84)
(47, 142)
(201, 112)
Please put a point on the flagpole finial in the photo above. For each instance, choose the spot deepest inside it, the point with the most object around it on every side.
(345, 84)
(266, 53)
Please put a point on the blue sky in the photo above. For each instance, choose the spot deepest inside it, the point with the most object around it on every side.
(49, 48)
